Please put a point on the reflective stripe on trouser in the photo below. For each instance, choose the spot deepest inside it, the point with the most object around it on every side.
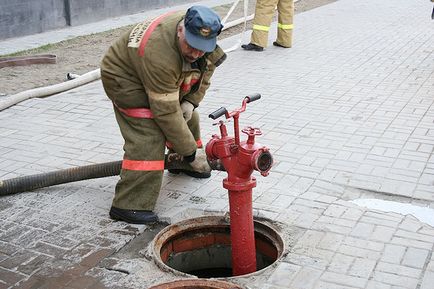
(264, 13)
(142, 172)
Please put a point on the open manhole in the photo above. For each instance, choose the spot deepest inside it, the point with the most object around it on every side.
(196, 284)
(202, 247)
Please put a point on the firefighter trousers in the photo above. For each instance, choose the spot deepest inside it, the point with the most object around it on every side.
(264, 12)
(143, 165)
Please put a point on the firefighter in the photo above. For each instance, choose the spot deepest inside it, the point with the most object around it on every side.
(156, 75)
(264, 12)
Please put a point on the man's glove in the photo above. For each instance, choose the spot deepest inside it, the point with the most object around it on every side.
(200, 164)
(187, 110)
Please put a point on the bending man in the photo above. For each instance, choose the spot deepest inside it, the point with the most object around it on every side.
(156, 75)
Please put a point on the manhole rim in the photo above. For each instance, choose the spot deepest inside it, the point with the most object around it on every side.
(198, 282)
(261, 224)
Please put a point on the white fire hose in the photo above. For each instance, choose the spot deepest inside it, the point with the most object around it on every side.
(50, 90)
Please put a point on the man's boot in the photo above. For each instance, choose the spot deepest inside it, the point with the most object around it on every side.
(275, 43)
(133, 216)
(252, 47)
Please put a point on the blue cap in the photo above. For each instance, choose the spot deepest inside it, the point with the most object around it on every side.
(202, 25)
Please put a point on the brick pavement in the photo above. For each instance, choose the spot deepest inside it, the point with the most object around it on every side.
(347, 113)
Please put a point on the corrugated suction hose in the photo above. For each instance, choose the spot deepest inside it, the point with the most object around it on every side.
(32, 182)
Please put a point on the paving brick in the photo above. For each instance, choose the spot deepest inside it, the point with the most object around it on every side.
(362, 268)
(94, 258)
(352, 214)
(395, 280)
(377, 285)
(284, 274)
(306, 261)
(338, 229)
(283, 201)
(415, 258)
(380, 220)
(393, 217)
(398, 270)
(411, 243)
(331, 241)
(10, 277)
(398, 187)
(341, 263)
(430, 266)
(57, 239)
(48, 249)
(393, 253)
(30, 238)
(327, 285)
(335, 211)
(20, 257)
(306, 278)
(14, 233)
(310, 239)
(8, 249)
(33, 265)
(83, 282)
(414, 236)
(428, 280)
(302, 208)
(359, 252)
(342, 279)
(268, 286)
(364, 244)
(362, 230)
(266, 199)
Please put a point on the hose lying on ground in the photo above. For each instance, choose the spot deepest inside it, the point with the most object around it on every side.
(32, 182)
(49, 90)
(27, 60)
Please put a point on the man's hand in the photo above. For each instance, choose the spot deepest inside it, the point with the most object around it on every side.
(174, 157)
(200, 163)
(197, 161)
(187, 110)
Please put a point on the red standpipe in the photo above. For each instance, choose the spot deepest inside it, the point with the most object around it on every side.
(239, 161)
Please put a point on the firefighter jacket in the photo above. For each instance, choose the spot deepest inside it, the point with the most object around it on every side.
(147, 70)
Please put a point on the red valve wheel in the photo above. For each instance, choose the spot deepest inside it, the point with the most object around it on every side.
(252, 131)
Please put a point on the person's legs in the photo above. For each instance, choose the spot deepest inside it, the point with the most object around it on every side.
(142, 168)
(264, 12)
(285, 10)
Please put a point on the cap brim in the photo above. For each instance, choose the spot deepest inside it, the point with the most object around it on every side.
(206, 45)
